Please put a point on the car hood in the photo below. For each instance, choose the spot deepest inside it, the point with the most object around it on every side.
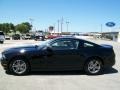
(22, 49)
(25, 47)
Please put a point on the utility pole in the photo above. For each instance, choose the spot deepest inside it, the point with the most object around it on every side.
(58, 27)
(101, 28)
(31, 22)
(54, 28)
(67, 23)
(61, 25)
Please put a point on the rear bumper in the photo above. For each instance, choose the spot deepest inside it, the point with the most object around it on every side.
(110, 61)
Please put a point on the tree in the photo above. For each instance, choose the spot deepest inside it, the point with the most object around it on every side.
(28, 25)
(6, 27)
(11, 26)
(22, 28)
(1, 27)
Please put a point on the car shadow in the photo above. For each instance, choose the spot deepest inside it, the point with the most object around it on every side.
(74, 72)
(110, 71)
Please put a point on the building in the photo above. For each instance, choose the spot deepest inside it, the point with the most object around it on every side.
(115, 36)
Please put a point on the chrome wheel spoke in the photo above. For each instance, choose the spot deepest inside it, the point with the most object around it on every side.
(16, 69)
(90, 67)
(19, 66)
(94, 69)
(97, 67)
(23, 64)
(94, 66)
(96, 63)
(14, 66)
(18, 62)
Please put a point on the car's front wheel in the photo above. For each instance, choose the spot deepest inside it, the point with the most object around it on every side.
(1, 42)
(19, 66)
(93, 66)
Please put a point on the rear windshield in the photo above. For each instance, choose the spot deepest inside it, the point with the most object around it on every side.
(1, 33)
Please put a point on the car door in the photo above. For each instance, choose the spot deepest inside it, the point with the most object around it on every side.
(66, 55)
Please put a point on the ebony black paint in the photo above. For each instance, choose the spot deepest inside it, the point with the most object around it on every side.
(44, 58)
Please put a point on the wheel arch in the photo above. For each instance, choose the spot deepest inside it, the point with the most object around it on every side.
(95, 57)
(20, 56)
(87, 63)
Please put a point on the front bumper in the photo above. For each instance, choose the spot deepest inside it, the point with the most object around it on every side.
(4, 62)
(1, 40)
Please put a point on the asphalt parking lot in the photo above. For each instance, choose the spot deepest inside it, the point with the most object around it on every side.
(68, 80)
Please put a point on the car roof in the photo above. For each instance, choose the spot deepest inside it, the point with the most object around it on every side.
(72, 37)
(69, 37)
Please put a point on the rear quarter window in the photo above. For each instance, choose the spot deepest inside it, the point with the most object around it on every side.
(88, 44)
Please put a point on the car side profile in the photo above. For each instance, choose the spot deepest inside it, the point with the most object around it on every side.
(2, 37)
(59, 54)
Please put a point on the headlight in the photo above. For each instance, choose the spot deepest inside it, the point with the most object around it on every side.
(3, 56)
(0, 56)
(22, 51)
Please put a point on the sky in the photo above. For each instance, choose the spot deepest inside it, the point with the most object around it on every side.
(82, 15)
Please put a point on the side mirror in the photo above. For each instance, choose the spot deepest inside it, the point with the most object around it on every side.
(48, 51)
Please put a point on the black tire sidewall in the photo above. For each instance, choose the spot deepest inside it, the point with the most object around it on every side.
(1, 42)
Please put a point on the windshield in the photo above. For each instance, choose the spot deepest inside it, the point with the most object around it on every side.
(45, 42)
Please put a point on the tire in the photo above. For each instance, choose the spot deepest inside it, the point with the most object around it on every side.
(1, 42)
(19, 66)
(93, 66)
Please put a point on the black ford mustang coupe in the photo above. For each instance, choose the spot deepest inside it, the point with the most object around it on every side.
(63, 53)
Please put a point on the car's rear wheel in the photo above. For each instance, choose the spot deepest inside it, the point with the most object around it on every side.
(93, 66)
(19, 66)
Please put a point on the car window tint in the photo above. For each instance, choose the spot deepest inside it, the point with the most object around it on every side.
(64, 44)
(86, 44)
(76, 44)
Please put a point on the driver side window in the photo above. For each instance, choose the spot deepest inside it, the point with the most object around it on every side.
(63, 45)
